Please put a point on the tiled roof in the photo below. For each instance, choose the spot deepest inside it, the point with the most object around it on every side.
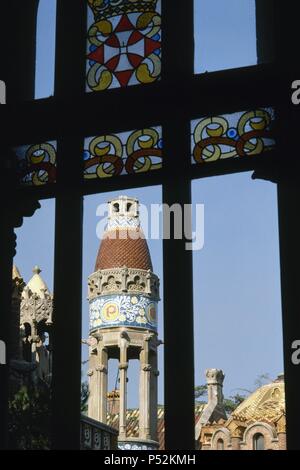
(125, 247)
(267, 403)
(132, 419)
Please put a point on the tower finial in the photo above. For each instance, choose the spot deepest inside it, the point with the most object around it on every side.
(123, 212)
(36, 270)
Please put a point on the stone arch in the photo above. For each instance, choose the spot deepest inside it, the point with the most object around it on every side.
(222, 433)
(259, 427)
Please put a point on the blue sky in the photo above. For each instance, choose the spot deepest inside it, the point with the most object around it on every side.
(237, 307)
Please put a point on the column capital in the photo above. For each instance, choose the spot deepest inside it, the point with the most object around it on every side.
(98, 336)
(146, 367)
(149, 336)
(102, 369)
(124, 335)
(123, 365)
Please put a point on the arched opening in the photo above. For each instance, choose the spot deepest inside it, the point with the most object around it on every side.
(258, 442)
(220, 444)
(116, 207)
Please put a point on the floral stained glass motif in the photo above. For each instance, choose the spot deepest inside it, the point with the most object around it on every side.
(37, 163)
(126, 153)
(240, 134)
(124, 43)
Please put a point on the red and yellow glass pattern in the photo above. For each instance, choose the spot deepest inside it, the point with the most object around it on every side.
(241, 134)
(132, 152)
(124, 43)
(37, 163)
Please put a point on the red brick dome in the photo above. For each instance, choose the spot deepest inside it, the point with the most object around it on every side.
(124, 248)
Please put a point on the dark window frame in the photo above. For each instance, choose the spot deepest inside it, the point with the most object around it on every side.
(257, 440)
(64, 118)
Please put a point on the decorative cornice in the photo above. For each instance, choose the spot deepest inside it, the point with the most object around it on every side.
(123, 280)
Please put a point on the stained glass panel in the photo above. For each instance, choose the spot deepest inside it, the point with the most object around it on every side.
(124, 43)
(126, 153)
(37, 163)
(240, 134)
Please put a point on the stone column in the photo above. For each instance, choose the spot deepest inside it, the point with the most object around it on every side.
(235, 442)
(153, 395)
(101, 371)
(92, 401)
(145, 401)
(281, 433)
(237, 435)
(123, 367)
(282, 441)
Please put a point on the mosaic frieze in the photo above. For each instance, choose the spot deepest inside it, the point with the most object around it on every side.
(118, 310)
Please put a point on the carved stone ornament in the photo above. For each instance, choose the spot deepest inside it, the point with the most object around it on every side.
(120, 280)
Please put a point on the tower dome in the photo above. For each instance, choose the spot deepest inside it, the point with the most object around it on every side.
(123, 243)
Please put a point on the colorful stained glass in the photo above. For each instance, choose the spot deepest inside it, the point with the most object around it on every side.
(126, 153)
(37, 163)
(124, 43)
(246, 133)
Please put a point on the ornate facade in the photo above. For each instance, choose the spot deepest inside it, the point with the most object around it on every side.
(32, 307)
(258, 423)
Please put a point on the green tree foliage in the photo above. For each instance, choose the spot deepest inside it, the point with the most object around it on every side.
(200, 392)
(231, 403)
(30, 417)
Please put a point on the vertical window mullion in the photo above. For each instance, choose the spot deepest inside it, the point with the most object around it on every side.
(69, 87)
(265, 30)
(288, 66)
(177, 66)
